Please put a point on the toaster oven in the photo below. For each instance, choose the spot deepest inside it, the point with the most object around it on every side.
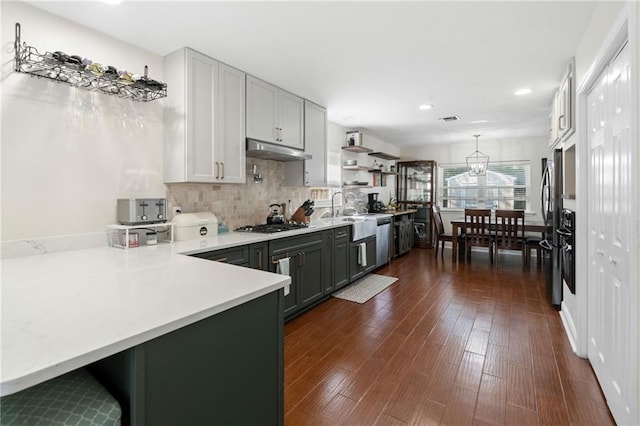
(139, 211)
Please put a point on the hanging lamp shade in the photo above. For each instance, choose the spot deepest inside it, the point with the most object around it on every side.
(477, 161)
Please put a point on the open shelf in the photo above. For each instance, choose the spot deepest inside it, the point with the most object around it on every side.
(382, 172)
(70, 70)
(357, 148)
(356, 168)
(384, 155)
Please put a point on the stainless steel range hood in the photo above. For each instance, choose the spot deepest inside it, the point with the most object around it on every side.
(269, 151)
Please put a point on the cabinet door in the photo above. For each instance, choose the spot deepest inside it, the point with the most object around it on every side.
(341, 258)
(564, 124)
(290, 120)
(311, 172)
(292, 300)
(230, 143)
(311, 273)
(329, 246)
(235, 255)
(202, 90)
(553, 121)
(356, 269)
(258, 256)
(315, 143)
(262, 110)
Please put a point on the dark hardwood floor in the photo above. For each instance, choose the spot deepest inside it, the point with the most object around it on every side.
(459, 345)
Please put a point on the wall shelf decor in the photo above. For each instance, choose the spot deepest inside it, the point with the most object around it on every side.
(85, 74)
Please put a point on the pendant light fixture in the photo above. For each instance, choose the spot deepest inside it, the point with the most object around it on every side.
(477, 161)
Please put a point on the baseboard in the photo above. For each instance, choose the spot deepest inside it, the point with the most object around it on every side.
(570, 331)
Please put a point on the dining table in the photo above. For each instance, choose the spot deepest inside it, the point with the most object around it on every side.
(530, 225)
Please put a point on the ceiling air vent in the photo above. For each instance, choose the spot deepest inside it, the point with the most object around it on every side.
(452, 118)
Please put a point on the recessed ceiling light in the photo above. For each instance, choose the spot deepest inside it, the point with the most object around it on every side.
(425, 107)
(524, 91)
(478, 121)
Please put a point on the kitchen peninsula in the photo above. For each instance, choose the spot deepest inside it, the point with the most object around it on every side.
(144, 319)
(64, 311)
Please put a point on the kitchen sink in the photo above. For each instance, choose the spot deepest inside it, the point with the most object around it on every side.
(361, 227)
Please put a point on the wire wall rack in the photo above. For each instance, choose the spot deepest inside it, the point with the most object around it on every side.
(85, 74)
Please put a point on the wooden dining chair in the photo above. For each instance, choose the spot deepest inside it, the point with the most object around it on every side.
(509, 231)
(440, 234)
(477, 230)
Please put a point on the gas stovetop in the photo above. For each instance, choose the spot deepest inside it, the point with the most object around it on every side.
(270, 229)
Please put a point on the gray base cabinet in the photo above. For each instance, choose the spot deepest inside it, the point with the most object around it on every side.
(307, 258)
(259, 256)
(235, 256)
(227, 369)
(356, 269)
(341, 276)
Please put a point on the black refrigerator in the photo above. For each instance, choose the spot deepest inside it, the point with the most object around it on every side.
(551, 205)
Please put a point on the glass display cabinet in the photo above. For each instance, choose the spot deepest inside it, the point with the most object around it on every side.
(416, 189)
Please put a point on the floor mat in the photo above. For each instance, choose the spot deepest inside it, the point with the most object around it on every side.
(365, 288)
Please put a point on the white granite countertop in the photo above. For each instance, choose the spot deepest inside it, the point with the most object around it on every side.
(62, 311)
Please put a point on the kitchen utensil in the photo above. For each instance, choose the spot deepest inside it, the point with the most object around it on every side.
(275, 217)
(350, 162)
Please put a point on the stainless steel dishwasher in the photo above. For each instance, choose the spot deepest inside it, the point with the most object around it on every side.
(383, 238)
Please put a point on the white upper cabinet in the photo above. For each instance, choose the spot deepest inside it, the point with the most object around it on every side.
(204, 120)
(274, 115)
(562, 115)
(553, 121)
(311, 172)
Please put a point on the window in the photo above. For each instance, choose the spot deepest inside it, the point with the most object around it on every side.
(505, 186)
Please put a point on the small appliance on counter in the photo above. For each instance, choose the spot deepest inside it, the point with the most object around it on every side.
(277, 214)
(195, 226)
(374, 205)
(141, 211)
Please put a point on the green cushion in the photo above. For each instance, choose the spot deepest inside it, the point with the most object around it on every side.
(75, 398)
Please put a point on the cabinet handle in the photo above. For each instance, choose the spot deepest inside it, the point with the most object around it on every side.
(306, 179)
(259, 259)
(220, 259)
(300, 262)
(559, 119)
(222, 167)
(281, 137)
(217, 170)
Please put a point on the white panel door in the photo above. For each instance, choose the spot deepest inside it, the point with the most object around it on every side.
(202, 90)
(315, 131)
(291, 120)
(231, 148)
(262, 110)
(612, 297)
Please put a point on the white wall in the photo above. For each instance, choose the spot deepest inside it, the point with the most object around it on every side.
(574, 306)
(63, 167)
(532, 149)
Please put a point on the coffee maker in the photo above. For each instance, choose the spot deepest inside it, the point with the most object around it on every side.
(374, 205)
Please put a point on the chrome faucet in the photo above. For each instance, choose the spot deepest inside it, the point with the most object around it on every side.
(344, 201)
